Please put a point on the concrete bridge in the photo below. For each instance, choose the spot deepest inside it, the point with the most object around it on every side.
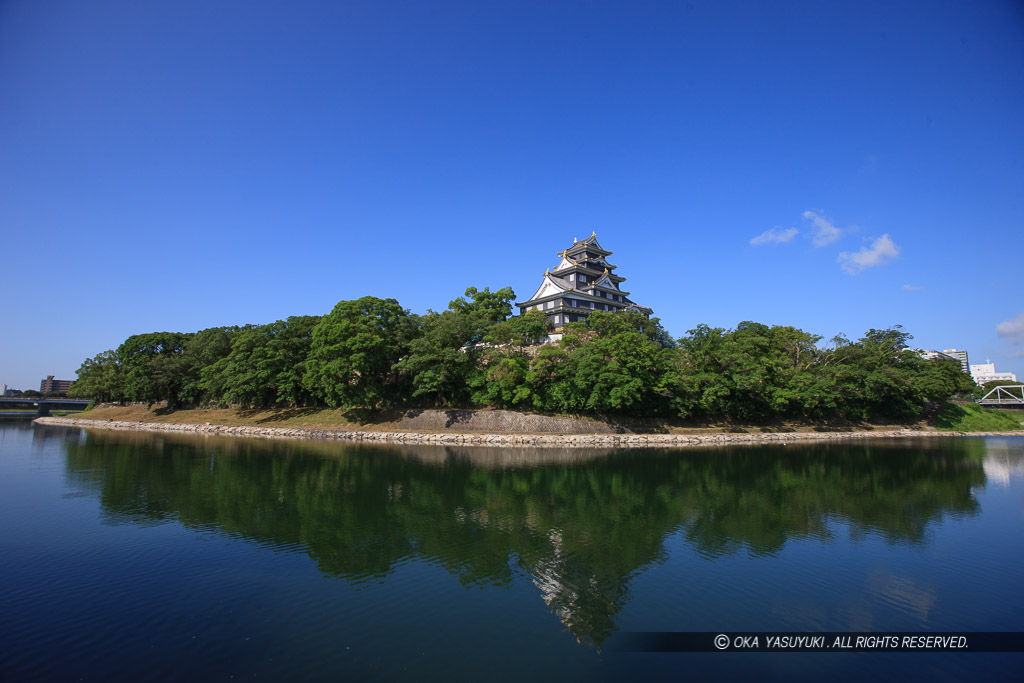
(44, 405)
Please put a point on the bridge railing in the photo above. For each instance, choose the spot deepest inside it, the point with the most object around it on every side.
(1004, 395)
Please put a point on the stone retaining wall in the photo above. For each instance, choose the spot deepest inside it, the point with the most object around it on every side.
(496, 422)
(518, 440)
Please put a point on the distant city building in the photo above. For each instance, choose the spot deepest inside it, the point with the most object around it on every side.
(958, 356)
(580, 284)
(986, 372)
(3, 389)
(51, 385)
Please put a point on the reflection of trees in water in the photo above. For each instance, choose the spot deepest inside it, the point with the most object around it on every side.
(41, 435)
(578, 527)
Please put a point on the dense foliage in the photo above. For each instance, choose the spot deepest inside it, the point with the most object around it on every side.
(370, 354)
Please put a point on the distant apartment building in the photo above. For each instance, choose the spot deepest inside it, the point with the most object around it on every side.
(958, 356)
(986, 372)
(51, 385)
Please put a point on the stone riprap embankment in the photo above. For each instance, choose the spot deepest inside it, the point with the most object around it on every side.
(517, 440)
(496, 422)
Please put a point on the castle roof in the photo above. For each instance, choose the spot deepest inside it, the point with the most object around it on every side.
(584, 273)
(590, 243)
(550, 286)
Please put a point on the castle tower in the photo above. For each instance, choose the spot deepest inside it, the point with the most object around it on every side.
(582, 282)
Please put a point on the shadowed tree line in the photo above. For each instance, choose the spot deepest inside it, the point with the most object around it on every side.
(579, 530)
(371, 354)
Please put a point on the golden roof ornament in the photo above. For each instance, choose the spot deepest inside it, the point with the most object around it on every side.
(593, 233)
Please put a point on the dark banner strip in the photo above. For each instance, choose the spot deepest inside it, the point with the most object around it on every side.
(831, 641)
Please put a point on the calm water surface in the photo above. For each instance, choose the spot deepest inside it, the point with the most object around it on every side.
(156, 557)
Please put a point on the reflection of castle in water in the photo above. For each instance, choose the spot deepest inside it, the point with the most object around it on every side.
(584, 602)
(579, 525)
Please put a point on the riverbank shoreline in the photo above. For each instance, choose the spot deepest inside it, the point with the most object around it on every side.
(499, 440)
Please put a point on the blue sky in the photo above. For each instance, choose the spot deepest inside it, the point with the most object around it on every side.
(833, 166)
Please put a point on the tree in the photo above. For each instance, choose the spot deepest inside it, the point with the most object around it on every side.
(265, 366)
(504, 365)
(291, 345)
(528, 328)
(937, 380)
(443, 359)
(756, 373)
(795, 355)
(353, 350)
(873, 375)
(153, 366)
(977, 392)
(764, 369)
(489, 307)
(703, 384)
(202, 351)
(608, 364)
(99, 378)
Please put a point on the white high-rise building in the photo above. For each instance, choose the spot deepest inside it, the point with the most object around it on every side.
(959, 356)
(986, 372)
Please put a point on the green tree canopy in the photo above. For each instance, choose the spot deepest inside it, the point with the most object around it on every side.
(610, 363)
(202, 351)
(370, 353)
(492, 307)
(99, 378)
(503, 365)
(353, 350)
(443, 359)
(265, 365)
(154, 366)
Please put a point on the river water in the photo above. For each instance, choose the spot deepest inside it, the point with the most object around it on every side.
(136, 556)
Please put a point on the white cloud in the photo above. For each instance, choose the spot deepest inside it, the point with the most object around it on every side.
(881, 251)
(1012, 329)
(774, 236)
(824, 231)
(913, 288)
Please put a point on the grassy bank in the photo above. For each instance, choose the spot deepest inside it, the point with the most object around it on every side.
(309, 418)
(974, 418)
(958, 418)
